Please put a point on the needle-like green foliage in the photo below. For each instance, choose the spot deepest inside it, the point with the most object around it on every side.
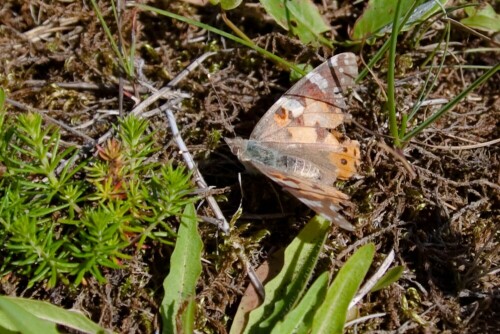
(66, 218)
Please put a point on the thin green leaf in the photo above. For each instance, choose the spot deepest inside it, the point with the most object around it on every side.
(43, 212)
(295, 76)
(391, 102)
(114, 46)
(431, 79)
(2, 99)
(185, 269)
(391, 276)
(452, 103)
(331, 316)
(241, 41)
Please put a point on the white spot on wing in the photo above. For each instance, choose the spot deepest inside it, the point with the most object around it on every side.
(334, 207)
(315, 205)
(318, 80)
(289, 184)
(293, 106)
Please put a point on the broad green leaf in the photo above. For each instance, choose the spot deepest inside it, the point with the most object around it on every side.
(378, 16)
(420, 14)
(300, 17)
(227, 4)
(285, 290)
(483, 18)
(185, 269)
(44, 310)
(391, 276)
(299, 320)
(186, 315)
(230, 4)
(22, 320)
(330, 317)
(251, 299)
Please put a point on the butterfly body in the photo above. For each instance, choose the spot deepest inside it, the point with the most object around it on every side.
(260, 154)
(296, 145)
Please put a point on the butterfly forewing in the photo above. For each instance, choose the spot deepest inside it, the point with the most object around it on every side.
(315, 103)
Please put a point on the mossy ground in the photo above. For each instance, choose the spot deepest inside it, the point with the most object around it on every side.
(443, 223)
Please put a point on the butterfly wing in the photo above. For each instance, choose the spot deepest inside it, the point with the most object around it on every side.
(312, 106)
(323, 199)
(299, 125)
(300, 122)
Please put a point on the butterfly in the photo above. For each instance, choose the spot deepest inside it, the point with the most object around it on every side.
(296, 143)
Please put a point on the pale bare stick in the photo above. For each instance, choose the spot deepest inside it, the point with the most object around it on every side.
(363, 319)
(373, 280)
(164, 91)
(198, 178)
(200, 181)
(173, 98)
(157, 94)
(463, 147)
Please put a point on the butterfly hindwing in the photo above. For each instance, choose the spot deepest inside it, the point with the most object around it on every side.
(321, 198)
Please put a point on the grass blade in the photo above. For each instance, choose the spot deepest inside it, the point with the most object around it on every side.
(241, 41)
(452, 103)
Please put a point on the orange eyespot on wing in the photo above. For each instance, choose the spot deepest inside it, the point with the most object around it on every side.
(281, 117)
(347, 161)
